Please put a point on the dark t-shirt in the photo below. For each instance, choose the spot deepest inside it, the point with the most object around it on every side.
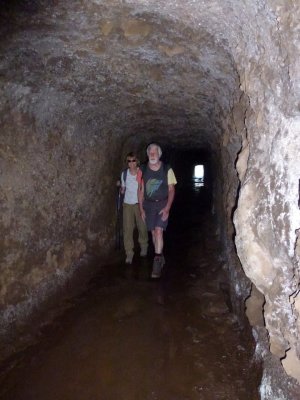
(156, 183)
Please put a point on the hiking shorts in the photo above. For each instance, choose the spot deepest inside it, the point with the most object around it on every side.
(153, 218)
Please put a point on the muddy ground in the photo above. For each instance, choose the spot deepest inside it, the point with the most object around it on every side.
(128, 337)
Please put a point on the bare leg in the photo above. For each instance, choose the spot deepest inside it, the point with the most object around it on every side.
(158, 240)
(153, 238)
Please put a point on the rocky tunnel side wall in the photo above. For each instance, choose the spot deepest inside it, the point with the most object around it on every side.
(57, 202)
(55, 197)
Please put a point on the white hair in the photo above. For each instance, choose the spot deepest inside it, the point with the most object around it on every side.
(154, 145)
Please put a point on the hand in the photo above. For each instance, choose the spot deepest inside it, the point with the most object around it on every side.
(143, 214)
(164, 213)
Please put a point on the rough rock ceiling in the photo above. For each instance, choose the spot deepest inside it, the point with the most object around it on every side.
(142, 66)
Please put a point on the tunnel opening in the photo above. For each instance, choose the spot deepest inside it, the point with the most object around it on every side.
(198, 176)
(199, 171)
(133, 333)
(162, 118)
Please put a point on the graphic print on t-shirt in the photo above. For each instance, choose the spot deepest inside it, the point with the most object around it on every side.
(152, 186)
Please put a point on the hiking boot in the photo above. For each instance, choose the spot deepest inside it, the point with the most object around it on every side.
(158, 264)
(129, 258)
(144, 252)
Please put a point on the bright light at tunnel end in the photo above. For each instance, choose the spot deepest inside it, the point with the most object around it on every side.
(198, 176)
(199, 171)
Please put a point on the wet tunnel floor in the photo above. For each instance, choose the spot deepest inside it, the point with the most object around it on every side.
(118, 341)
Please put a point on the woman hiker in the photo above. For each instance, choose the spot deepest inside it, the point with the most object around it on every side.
(131, 212)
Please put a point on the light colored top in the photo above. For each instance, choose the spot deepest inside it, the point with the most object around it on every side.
(131, 188)
(171, 177)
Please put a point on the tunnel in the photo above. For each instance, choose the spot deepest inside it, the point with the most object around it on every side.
(213, 82)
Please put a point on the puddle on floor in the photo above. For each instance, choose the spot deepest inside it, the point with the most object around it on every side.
(131, 338)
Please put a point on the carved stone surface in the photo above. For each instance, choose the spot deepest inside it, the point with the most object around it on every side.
(81, 82)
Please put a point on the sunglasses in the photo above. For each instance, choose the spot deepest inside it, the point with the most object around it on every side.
(133, 160)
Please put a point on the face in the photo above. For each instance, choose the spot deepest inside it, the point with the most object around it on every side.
(153, 155)
(131, 162)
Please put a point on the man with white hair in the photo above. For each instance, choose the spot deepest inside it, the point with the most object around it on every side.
(156, 194)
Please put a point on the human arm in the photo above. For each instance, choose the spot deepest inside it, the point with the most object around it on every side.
(141, 199)
(171, 194)
(121, 184)
(166, 210)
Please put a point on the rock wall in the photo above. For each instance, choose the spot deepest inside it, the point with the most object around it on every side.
(82, 82)
(55, 201)
(234, 144)
(267, 215)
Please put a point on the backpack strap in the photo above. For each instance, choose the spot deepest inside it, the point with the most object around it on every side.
(143, 168)
(124, 175)
(166, 168)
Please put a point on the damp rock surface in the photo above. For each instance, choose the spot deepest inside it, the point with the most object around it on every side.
(129, 337)
(83, 82)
